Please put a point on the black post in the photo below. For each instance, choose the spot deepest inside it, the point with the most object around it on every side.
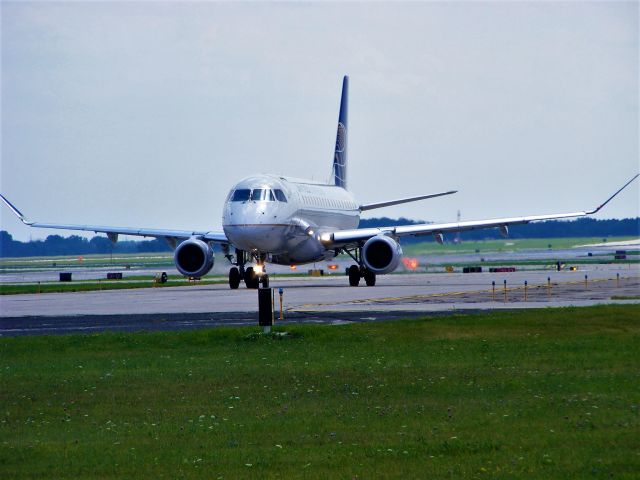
(265, 317)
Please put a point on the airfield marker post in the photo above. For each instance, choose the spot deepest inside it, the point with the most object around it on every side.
(586, 284)
(548, 286)
(273, 307)
(38, 287)
(505, 291)
(281, 292)
(525, 290)
(493, 290)
(617, 280)
(265, 309)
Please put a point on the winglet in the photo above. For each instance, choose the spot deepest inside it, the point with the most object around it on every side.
(15, 211)
(612, 196)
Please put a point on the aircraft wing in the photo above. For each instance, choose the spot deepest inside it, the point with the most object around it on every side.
(350, 237)
(112, 232)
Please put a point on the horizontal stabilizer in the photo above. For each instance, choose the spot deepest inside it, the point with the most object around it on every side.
(372, 206)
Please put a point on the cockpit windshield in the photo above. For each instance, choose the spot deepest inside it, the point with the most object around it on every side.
(258, 195)
(280, 196)
(262, 194)
(241, 195)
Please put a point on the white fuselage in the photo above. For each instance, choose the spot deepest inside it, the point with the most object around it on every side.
(284, 218)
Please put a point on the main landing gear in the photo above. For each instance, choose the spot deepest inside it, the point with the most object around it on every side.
(252, 277)
(356, 272)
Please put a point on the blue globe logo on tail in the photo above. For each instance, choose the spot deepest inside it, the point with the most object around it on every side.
(340, 154)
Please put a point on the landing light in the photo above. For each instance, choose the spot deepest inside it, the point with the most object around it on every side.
(310, 232)
(257, 269)
(333, 266)
(325, 237)
(293, 267)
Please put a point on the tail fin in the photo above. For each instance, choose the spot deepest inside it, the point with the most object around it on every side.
(340, 155)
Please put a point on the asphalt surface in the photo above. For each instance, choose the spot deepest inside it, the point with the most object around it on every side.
(326, 300)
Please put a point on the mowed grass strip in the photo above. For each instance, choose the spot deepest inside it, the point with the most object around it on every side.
(535, 394)
(95, 285)
(508, 245)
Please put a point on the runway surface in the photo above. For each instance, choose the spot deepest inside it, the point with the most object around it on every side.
(313, 300)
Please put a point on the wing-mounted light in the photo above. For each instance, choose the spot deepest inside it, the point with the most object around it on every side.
(326, 238)
(304, 225)
(113, 237)
(504, 231)
(439, 238)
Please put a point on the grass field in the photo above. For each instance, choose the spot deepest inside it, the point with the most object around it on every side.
(503, 245)
(93, 285)
(162, 259)
(100, 260)
(537, 394)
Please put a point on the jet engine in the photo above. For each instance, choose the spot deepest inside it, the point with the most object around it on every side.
(194, 258)
(381, 254)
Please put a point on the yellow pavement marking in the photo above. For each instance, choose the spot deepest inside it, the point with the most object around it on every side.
(442, 294)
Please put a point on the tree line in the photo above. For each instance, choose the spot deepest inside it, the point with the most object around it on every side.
(77, 245)
(582, 227)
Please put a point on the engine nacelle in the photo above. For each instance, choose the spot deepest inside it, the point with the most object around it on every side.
(194, 258)
(381, 254)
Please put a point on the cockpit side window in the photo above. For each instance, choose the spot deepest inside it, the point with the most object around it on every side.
(280, 196)
(241, 195)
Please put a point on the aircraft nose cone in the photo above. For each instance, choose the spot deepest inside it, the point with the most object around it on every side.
(251, 226)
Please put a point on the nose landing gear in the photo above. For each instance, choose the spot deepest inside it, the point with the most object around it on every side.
(252, 277)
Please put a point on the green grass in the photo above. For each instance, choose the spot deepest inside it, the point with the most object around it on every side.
(504, 245)
(99, 260)
(93, 285)
(536, 394)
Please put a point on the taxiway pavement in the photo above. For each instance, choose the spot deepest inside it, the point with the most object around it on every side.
(314, 299)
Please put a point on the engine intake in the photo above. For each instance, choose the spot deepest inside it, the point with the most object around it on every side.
(194, 258)
(381, 254)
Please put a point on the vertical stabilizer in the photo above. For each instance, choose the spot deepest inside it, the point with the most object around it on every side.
(340, 154)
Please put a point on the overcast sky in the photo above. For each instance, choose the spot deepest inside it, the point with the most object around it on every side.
(145, 114)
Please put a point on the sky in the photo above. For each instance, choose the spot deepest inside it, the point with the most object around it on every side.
(146, 113)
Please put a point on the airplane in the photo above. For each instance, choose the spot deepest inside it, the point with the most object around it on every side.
(288, 221)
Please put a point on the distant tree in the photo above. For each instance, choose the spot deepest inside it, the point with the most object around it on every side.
(76, 245)
(100, 244)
